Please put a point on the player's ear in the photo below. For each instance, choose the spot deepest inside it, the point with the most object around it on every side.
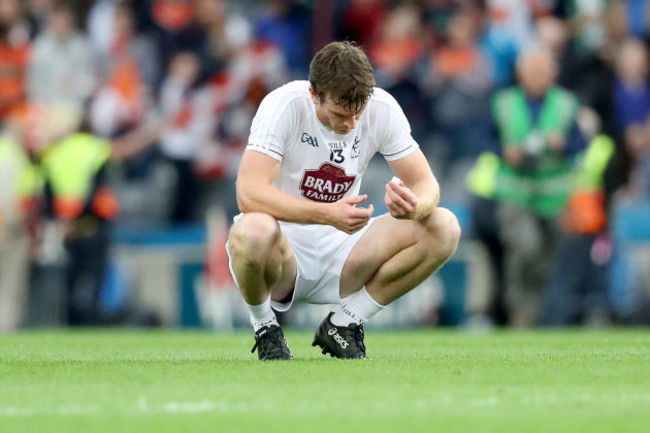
(314, 96)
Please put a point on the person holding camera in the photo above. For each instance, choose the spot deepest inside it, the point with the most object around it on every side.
(536, 124)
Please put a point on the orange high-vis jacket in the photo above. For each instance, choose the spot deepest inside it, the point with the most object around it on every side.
(586, 210)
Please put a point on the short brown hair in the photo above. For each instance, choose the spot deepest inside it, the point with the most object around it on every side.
(342, 72)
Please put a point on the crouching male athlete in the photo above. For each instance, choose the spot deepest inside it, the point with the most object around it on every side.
(303, 234)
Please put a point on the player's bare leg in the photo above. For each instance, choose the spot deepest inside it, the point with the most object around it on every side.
(394, 255)
(265, 268)
(390, 259)
(261, 258)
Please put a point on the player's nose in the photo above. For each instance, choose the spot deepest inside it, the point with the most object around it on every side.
(351, 122)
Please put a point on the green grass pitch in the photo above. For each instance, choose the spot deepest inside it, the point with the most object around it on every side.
(425, 380)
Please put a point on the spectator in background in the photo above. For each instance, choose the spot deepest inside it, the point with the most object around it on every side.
(39, 10)
(537, 127)
(589, 20)
(398, 46)
(18, 185)
(461, 81)
(554, 34)
(508, 30)
(286, 24)
(219, 27)
(632, 105)
(61, 67)
(249, 70)
(362, 21)
(192, 128)
(14, 55)
(13, 16)
(395, 54)
(585, 72)
(173, 24)
(542, 8)
(101, 29)
(638, 18)
(129, 73)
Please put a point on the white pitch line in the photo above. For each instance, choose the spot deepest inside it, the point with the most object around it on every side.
(142, 405)
(10, 412)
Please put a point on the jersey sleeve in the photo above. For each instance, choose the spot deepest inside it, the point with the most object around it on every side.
(398, 141)
(271, 126)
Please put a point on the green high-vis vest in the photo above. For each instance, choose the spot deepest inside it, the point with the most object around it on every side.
(545, 188)
(70, 165)
(26, 181)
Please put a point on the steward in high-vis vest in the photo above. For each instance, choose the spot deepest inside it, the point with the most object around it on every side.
(19, 182)
(535, 124)
(79, 204)
(540, 181)
(74, 170)
(18, 187)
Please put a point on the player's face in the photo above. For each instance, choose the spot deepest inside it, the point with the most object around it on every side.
(336, 117)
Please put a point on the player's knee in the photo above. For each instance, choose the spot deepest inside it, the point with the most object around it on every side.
(445, 228)
(253, 234)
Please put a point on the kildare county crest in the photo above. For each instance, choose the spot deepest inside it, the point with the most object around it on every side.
(327, 184)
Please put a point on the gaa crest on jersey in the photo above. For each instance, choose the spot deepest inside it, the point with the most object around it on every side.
(327, 184)
(306, 138)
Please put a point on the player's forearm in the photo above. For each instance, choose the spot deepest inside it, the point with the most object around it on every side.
(280, 205)
(428, 194)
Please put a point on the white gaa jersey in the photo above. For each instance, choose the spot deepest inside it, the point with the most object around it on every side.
(317, 163)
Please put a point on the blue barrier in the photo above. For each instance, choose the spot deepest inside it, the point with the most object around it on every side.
(631, 222)
(159, 236)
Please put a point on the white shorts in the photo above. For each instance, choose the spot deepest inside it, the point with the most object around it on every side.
(321, 252)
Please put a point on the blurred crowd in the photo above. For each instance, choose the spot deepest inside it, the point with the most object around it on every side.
(533, 114)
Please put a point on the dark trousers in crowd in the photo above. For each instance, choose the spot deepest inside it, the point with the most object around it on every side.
(578, 289)
(87, 260)
(184, 202)
(530, 246)
(486, 230)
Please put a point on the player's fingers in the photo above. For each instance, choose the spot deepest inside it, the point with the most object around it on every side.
(356, 227)
(355, 199)
(363, 212)
(408, 202)
(406, 194)
(396, 210)
(358, 219)
(397, 200)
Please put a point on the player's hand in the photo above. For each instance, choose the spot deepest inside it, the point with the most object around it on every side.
(349, 218)
(400, 200)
